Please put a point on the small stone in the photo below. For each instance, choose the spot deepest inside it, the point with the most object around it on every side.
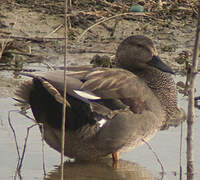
(137, 8)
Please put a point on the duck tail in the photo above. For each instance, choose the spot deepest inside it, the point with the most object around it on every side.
(23, 92)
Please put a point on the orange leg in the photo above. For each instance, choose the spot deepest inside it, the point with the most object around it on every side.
(115, 157)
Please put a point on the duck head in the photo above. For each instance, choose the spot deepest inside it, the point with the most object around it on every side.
(137, 53)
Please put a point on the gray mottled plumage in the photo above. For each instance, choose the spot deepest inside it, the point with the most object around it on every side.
(108, 110)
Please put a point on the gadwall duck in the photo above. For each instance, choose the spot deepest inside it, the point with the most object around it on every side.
(109, 110)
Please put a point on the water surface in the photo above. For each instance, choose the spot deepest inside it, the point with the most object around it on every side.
(137, 164)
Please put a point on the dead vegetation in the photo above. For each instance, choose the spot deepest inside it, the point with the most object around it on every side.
(83, 13)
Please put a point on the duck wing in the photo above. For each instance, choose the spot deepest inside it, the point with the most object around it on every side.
(92, 94)
(114, 88)
(105, 89)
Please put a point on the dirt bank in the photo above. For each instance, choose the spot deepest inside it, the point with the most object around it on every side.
(31, 31)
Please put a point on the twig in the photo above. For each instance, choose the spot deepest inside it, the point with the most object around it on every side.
(4, 44)
(20, 158)
(157, 158)
(33, 39)
(55, 30)
(43, 154)
(79, 51)
(24, 54)
(3, 47)
(7, 68)
(24, 147)
(191, 109)
(107, 19)
(65, 92)
(14, 134)
(180, 153)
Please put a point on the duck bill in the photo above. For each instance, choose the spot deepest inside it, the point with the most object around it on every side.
(157, 63)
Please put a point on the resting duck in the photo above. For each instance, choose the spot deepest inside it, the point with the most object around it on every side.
(109, 110)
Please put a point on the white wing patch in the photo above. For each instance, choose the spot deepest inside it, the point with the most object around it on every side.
(102, 122)
(86, 95)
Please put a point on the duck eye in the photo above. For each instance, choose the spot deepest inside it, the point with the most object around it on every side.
(144, 47)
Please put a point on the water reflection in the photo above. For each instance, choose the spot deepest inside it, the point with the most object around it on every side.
(101, 170)
(165, 144)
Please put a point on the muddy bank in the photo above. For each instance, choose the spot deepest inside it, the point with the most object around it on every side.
(32, 31)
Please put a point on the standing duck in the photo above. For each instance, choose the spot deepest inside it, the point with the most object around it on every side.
(109, 110)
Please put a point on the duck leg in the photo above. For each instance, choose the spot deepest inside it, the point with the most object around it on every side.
(115, 157)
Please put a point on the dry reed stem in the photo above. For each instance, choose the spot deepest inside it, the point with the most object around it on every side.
(34, 39)
(157, 158)
(55, 30)
(107, 19)
(24, 147)
(14, 134)
(191, 109)
(21, 157)
(65, 92)
(3, 47)
(180, 152)
(5, 43)
(43, 154)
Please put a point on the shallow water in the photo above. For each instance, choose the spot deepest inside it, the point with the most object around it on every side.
(137, 164)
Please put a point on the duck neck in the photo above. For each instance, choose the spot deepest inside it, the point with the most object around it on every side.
(163, 86)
